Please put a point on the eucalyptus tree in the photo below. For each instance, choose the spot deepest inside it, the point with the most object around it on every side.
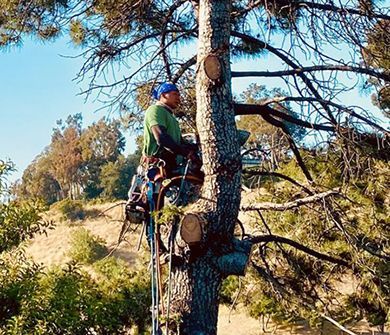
(377, 54)
(316, 50)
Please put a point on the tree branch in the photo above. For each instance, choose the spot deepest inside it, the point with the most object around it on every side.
(183, 68)
(289, 62)
(291, 204)
(264, 110)
(296, 245)
(278, 175)
(334, 322)
(171, 10)
(292, 144)
(332, 8)
(326, 7)
(381, 75)
(328, 102)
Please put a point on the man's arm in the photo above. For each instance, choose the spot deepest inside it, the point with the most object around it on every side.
(166, 141)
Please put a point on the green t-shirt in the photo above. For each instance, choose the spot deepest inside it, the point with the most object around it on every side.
(158, 115)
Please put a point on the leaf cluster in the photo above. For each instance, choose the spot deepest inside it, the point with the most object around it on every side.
(86, 248)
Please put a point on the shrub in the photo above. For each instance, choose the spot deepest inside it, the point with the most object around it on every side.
(229, 290)
(112, 267)
(18, 276)
(85, 247)
(63, 301)
(71, 209)
(70, 301)
(19, 221)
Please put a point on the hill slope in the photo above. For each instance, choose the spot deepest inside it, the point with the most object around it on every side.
(106, 221)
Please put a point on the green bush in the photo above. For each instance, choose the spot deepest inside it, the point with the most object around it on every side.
(18, 276)
(229, 290)
(71, 209)
(112, 267)
(34, 300)
(19, 221)
(69, 301)
(85, 247)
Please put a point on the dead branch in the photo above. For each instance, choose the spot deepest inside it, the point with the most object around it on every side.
(334, 322)
(112, 207)
(278, 175)
(264, 110)
(291, 204)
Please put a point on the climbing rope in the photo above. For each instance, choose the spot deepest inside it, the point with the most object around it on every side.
(170, 246)
(153, 263)
(183, 177)
(156, 282)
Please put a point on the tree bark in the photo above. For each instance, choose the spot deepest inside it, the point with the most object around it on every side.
(196, 284)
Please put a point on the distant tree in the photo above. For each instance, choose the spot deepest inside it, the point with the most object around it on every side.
(377, 54)
(66, 156)
(71, 164)
(115, 177)
(38, 182)
(100, 143)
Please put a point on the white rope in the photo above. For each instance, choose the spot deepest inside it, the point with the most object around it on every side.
(153, 261)
(171, 238)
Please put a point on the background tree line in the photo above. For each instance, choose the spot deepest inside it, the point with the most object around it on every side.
(80, 163)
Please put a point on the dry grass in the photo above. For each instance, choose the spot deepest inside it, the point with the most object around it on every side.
(52, 249)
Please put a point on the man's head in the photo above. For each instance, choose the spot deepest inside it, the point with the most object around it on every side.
(168, 94)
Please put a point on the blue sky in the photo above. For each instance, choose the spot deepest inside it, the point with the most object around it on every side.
(37, 88)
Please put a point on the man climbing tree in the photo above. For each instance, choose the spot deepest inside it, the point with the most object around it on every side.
(162, 135)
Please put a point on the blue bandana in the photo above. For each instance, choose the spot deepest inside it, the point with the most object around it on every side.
(163, 88)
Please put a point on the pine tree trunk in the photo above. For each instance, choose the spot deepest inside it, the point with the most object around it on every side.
(196, 284)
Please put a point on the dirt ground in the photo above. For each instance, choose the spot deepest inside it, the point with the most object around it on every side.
(238, 323)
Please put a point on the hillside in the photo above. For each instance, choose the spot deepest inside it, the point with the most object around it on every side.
(105, 221)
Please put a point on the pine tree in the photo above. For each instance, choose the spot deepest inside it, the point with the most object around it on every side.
(306, 38)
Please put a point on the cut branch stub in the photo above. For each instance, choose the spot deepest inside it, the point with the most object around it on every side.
(192, 227)
(212, 67)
